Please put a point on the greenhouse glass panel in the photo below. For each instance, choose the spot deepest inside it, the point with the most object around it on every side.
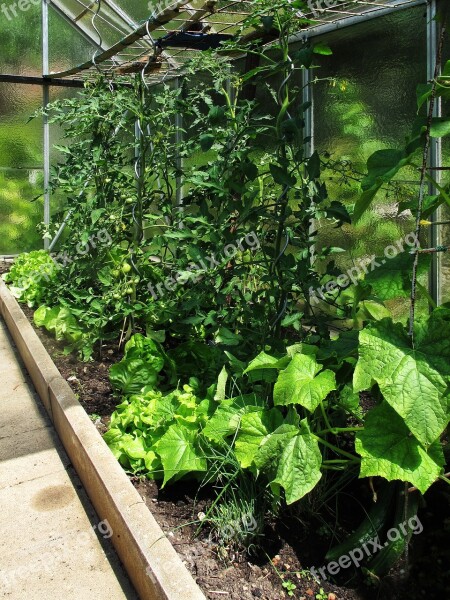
(67, 47)
(139, 10)
(21, 45)
(20, 214)
(20, 142)
(364, 101)
(105, 23)
(20, 168)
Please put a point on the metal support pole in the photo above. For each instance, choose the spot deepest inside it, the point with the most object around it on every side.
(435, 158)
(309, 113)
(179, 142)
(309, 135)
(46, 126)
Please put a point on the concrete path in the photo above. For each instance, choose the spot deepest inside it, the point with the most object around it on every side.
(52, 544)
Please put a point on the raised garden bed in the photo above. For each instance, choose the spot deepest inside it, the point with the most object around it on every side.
(290, 545)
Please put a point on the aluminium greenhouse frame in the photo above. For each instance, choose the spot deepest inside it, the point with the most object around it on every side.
(334, 20)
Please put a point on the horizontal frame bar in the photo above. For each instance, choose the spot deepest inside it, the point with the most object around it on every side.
(40, 80)
(344, 22)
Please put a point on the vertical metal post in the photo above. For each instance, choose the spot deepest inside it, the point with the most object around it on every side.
(179, 142)
(138, 171)
(435, 158)
(309, 113)
(46, 127)
(309, 135)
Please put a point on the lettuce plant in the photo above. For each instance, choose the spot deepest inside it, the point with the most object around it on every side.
(30, 275)
(61, 323)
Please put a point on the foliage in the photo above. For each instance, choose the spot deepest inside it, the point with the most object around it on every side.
(178, 427)
(152, 431)
(139, 368)
(30, 276)
(236, 196)
(61, 323)
(282, 444)
(158, 433)
(233, 521)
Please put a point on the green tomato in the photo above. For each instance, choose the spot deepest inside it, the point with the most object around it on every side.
(129, 201)
(129, 291)
(126, 267)
(116, 296)
(115, 273)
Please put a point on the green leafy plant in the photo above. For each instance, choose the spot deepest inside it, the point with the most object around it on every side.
(290, 587)
(401, 438)
(139, 368)
(157, 433)
(61, 323)
(30, 276)
(168, 209)
(238, 513)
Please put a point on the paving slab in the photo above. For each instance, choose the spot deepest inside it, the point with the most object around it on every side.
(52, 543)
(18, 414)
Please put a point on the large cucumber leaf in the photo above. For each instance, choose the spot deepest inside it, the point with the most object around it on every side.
(392, 278)
(255, 426)
(291, 458)
(227, 418)
(179, 452)
(389, 450)
(263, 361)
(413, 381)
(301, 383)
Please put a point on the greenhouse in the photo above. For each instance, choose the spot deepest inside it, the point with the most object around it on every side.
(225, 299)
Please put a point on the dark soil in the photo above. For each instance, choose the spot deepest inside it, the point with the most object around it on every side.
(291, 545)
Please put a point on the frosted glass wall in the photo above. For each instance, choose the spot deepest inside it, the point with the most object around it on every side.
(365, 100)
(21, 174)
